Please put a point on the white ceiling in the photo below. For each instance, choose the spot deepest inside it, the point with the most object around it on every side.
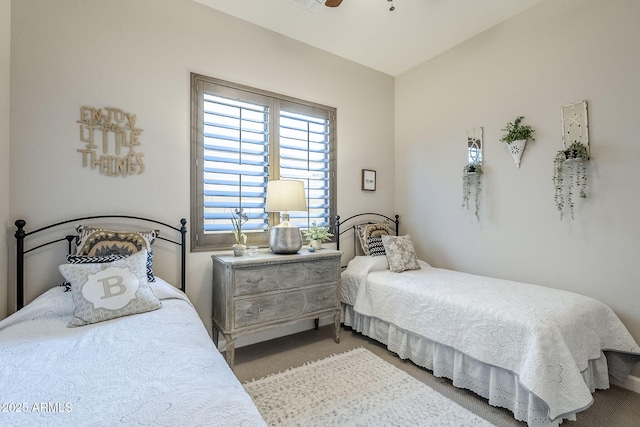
(366, 32)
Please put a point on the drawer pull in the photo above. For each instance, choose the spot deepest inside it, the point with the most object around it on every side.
(255, 281)
(324, 298)
(250, 312)
(322, 272)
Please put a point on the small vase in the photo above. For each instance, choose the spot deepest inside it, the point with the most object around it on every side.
(238, 249)
(315, 244)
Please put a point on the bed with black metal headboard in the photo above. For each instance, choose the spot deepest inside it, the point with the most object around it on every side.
(119, 344)
(539, 352)
(352, 223)
(21, 236)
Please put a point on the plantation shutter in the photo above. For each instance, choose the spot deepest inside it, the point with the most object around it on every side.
(305, 155)
(235, 160)
(243, 137)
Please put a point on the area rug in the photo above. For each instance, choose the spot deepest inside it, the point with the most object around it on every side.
(356, 388)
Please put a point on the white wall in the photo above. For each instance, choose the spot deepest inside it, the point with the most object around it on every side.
(553, 54)
(5, 47)
(138, 55)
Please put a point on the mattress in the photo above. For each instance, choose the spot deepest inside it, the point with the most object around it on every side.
(157, 368)
(547, 345)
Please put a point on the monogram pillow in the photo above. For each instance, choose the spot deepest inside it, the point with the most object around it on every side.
(400, 253)
(105, 291)
(86, 259)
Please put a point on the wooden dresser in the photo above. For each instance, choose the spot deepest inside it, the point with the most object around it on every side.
(255, 293)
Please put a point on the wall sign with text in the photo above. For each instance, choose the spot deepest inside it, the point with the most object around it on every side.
(368, 180)
(111, 138)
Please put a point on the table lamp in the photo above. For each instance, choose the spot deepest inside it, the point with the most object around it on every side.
(285, 196)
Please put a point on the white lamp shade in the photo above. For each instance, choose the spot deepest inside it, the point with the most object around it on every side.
(285, 195)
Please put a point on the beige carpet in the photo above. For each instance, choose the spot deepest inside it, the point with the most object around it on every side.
(615, 407)
(355, 388)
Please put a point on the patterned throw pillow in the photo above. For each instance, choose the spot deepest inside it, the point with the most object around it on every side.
(86, 259)
(365, 231)
(109, 290)
(376, 247)
(100, 242)
(400, 253)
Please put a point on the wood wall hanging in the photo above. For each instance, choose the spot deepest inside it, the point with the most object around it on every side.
(111, 137)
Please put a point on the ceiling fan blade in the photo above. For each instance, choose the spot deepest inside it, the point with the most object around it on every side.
(332, 3)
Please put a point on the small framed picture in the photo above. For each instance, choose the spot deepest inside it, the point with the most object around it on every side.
(368, 180)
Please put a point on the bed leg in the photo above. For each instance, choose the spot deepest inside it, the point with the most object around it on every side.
(20, 235)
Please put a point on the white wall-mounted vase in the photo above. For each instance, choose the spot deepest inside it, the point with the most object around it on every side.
(516, 148)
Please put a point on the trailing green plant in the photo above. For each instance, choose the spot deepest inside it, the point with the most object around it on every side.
(316, 232)
(515, 131)
(569, 171)
(472, 177)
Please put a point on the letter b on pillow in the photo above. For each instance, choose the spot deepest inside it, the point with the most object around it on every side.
(105, 291)
(111, 288)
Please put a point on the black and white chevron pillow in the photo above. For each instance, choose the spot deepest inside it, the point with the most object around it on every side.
(376, 248)
(88, 259)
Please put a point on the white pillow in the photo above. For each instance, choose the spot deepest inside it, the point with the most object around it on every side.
(105, 291)
(400, 253)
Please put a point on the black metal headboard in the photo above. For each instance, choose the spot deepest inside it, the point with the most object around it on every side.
(21, 234)
(356, 221)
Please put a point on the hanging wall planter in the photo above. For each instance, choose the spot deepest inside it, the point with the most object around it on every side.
(570, 164)
(516, 148)
(569, 173)
(472, 181)
(516, 136)
(472, 172)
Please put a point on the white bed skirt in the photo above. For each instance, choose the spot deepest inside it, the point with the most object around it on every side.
(499, 386)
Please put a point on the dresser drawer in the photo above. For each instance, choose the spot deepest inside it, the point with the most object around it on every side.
(284, 305)
(284, 276)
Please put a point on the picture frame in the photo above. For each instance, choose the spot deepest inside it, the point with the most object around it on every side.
(368, 180)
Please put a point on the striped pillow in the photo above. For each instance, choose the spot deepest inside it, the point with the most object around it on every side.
(365, 231)
(88, 259)
(376, 247)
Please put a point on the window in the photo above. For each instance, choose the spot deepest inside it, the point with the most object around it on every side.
(243, 137)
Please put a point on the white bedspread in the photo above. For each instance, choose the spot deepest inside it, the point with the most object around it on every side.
(545, 336)
(153, 369)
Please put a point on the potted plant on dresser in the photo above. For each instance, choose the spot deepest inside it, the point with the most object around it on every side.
(516, 136)
(316, 235)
